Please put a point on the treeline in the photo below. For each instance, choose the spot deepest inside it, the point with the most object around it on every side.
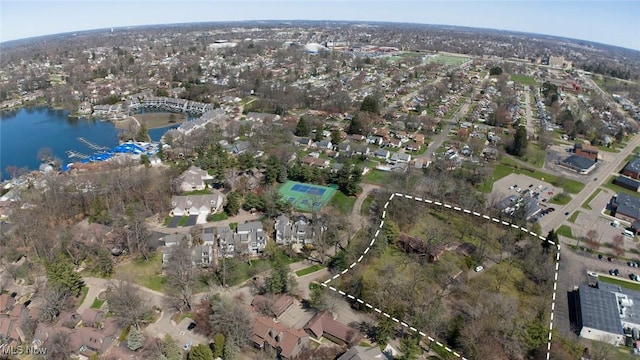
(610, 70)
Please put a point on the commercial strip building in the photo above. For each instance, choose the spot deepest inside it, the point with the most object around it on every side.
(580, 164)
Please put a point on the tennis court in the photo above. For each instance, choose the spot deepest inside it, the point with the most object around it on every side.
(306, 197)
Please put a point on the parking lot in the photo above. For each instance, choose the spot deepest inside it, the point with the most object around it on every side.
(595, 219)
(517, 184)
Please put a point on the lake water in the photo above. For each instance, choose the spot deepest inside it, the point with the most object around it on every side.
(24, 132)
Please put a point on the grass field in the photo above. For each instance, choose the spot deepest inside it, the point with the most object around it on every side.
(308, 270)
(306, 197)
(145, 273)
(366, 206)
(377, 177)
(586, 203)
(560, 199)
(617, 281)
(343, 202)
(574, 216)
(447, 60)
(155, 120)
(524, 80)
(508, 166)
(565, 231)
(97, 303)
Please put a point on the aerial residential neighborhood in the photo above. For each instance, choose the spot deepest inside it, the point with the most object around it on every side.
(318, 190)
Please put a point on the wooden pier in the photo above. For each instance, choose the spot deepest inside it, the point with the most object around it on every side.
(91, 145)
(72, 154)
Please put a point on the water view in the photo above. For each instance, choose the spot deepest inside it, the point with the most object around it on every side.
(24, 132)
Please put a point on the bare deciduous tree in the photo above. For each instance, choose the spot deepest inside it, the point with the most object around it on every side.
(181, 274)
(126, 303)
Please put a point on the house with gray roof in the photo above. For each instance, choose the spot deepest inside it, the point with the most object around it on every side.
(251, 235)
(194, 178)
(400, 158)
(297, 231)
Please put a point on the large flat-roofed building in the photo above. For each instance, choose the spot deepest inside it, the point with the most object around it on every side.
(598, 315)
(626, 207)
(579, 164)
(632, 169)
(627, 183)
(585, 150)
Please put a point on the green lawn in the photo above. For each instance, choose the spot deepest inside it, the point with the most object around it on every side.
(565, 231)
(366, 206)
(97, 303)
(586, 203)
(378, 177)
(535, 155)
(610, 185)
(145, 273)
(524, 80)
(218, 217)
(560, 199)
(617, 281)
(83, 294)
(609, 149)
(574, 216)
(167, 220)
(197, 192)
(183, 221)
(308, 270)
(343, 202)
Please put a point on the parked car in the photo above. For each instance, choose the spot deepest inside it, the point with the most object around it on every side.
(191, 326)
(566, 213)
(592, 274)
(187, 346)
(479, 268)
(616, 272)
(600, 256)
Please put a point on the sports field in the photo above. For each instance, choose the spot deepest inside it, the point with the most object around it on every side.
(447, 60)
(306, 197)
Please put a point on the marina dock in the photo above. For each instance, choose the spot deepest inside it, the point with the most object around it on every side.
(91, 145)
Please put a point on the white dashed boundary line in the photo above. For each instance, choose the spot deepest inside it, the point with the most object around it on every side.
(456, 208)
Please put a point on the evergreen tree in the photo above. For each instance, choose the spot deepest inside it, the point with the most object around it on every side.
(218, 345)
(520, 142)
(232, 207)
(302, 129)
(135, 340)
(200, 352)
(384, 331)
(335, 137)
(170, 349)
(279, 281)
(319, 129)
(231, 349)
(370, 104)
(62, 275)
(391, 231)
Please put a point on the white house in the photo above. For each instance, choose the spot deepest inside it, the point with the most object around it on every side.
(196, 204)
(194, 178)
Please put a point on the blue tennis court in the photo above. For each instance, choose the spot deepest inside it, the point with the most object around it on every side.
(306, 197)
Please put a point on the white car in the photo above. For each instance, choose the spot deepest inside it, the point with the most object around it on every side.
(479, 268)
(187, 346)
(592, 274)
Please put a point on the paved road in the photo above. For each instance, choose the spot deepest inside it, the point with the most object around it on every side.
(557, 218)
(531, 128)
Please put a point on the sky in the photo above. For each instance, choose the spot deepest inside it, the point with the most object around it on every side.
(614, 22)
